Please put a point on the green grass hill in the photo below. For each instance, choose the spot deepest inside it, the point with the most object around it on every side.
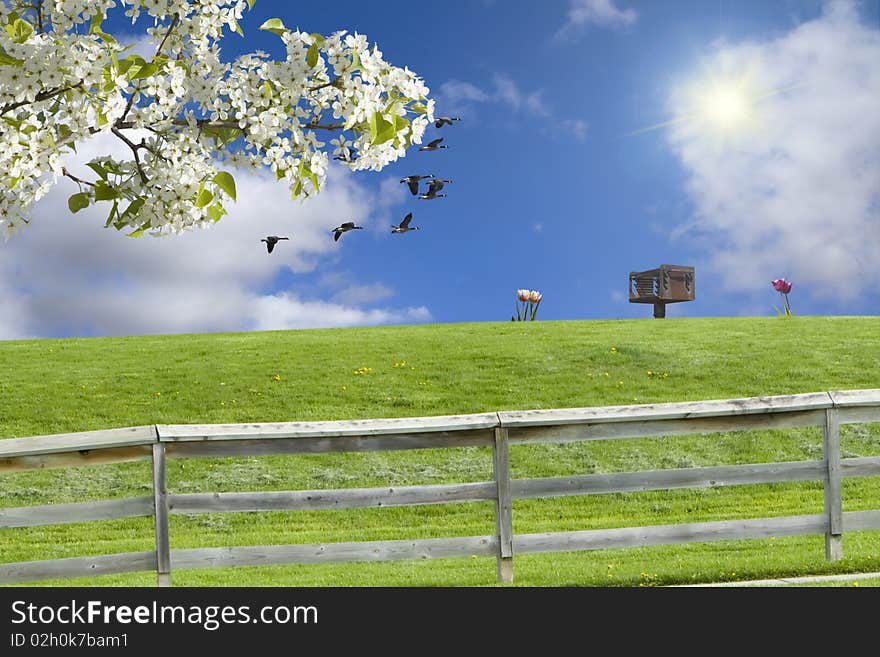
(59, 386)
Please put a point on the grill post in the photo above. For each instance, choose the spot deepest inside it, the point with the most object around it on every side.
(665, 284)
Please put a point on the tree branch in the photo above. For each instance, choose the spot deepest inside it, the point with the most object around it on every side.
(79, 181)
(39, 7)
(174, 22)
(128, 106)
(134, 149)
(335, 82)
(41, 96)
(208, 123)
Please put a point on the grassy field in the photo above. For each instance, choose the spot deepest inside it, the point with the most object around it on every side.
(55, 386)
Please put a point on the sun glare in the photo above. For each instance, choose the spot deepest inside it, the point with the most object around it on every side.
(724, 105)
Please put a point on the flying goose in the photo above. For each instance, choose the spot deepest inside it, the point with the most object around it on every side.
(445, 120)
(413, 182)
(344, 228)
(436, 184)
(431, 194)
(404, 225)
(271, 241)
(433, 145)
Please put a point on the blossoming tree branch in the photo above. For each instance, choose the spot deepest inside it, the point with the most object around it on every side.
(186, 119)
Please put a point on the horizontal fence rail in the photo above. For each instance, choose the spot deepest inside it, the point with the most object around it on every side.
(498, 431)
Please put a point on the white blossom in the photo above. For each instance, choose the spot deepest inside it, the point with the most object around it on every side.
(63, 80)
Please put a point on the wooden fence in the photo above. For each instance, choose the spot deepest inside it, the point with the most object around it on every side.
(499, 431)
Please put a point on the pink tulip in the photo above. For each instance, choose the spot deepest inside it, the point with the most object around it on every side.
(523, 295)
(782, 285)
(535, 296)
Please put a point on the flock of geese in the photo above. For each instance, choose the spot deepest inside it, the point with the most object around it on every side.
(434, 183)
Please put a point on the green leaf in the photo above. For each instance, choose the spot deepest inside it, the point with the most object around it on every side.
(221, 136)
(216, 211)
(114, 213)
(238, 29)
(95, 28)
(133, 208)
(312, 55)
(251, 3)
(98, 168)
(418, 108)
(113, 168)
(107, 37)
(104, 192)
(380, 129)
(19, 30)
(305, 171)
(205, 196)
(297, 188)
(8, 60)
(226, 182)
(140, 231)
(143, 71)
(399, 124)
(123, 65)
(95, 25)
(275, 26)
(109, 84)
(78, 202)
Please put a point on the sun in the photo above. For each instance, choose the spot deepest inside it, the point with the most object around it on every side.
(724, 106)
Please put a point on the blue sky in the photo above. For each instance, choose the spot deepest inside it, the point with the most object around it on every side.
(585, 151)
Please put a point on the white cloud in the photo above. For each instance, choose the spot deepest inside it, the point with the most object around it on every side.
(798, 195)
(457, 91)
(459, 98)
(354, 295)
(66, 275)
(507, 91)
(602, 13)
(576, 127)
(284, 311)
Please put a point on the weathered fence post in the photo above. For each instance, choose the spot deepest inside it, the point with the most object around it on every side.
(503, 506)
(833, 495)
(160, 513)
